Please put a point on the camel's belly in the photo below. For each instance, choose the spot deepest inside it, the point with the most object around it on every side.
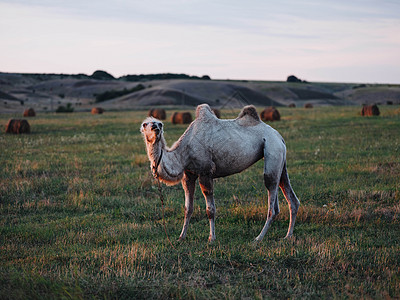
(234, 159)
(222, 171)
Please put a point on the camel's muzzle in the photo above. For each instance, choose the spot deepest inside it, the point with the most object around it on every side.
(156, 127)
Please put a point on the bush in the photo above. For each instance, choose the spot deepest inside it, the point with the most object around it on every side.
(114, 94)
(65, 109)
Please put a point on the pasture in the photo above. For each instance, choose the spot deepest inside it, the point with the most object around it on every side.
(80, 215)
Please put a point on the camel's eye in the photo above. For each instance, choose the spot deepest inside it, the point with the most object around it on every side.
(144, 125)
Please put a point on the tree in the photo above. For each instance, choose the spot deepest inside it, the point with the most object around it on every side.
(102, 75)
(293, 78)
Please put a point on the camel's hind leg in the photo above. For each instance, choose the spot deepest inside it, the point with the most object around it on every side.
(188, 184)
(291, 198)
(207, 187)
(273, 164)
(273, 205)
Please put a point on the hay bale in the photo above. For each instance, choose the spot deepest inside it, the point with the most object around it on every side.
(370, 110)
(292, 105)
(217, 112)
(181, 118)
(29, 112)
(308, 105)
(18, 126)
(157, 113)
(97, 110)
(270, 114)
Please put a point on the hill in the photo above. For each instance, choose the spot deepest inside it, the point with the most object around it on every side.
(45, 92)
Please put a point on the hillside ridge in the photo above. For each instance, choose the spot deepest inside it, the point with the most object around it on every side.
(45, 92)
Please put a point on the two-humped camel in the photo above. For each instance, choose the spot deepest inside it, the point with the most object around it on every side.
(212, 148)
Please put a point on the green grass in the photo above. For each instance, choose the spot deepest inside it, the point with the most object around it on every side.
(80, 216)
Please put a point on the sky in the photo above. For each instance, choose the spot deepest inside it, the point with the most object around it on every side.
(316, 40)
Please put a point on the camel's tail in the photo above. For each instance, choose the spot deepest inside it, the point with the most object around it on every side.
(291, 198)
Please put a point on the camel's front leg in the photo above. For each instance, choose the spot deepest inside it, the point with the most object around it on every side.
(188, 184)
(207, 187)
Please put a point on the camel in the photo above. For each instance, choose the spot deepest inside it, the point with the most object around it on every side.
(211, 148)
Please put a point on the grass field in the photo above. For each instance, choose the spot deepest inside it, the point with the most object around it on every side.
(80, 216)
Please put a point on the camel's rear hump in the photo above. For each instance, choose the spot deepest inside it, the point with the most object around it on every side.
(248, 116)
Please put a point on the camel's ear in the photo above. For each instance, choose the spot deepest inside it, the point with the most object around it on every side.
(143, 127)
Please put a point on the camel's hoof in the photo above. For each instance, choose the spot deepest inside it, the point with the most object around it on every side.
(288, 238)
(256, 241)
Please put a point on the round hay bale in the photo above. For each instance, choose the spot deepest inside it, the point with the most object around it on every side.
(217, 112)
(292, 105)
(157, 113)
(308, 105)
(97, 110)
(181, 118)
(18, 126)
(370, 110)
(29, 112)
(270, 114)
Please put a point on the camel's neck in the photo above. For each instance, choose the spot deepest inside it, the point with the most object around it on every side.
(166, 164)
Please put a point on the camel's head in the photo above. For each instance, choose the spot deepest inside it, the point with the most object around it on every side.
(152, 130)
